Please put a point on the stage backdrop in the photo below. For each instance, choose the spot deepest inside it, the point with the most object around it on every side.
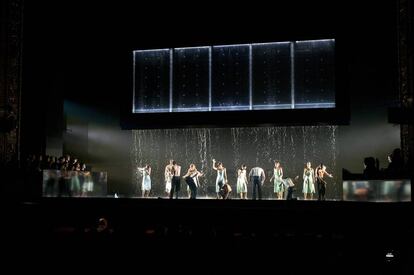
(257, 146)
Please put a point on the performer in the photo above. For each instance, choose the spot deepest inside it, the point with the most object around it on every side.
(278, 187)
(175, 181)
(146, 180)
(242, 182)
(308, 181)
(257, 176)
(319, 174)
(192, 180)
(87, 186)
(188, 191)
(225, 191)
(168, 177)
(290, 187)
(221, 176)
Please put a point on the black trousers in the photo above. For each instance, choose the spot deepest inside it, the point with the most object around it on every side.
(321, 189)
(193, 187)
(289, 193)
(257, 185)
(175, 186)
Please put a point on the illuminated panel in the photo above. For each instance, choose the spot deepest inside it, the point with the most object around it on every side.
(265, 76)
(314, 74)
(151, 81)
(271, 76)
(191, 79)
(230, 78)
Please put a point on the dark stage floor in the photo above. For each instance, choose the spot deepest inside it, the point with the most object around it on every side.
(376, 237)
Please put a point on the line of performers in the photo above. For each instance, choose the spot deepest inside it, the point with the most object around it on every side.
(256, 175)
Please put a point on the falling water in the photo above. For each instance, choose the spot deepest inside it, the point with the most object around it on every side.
(256, 146)
(136, 157)
(235, 143)
(202, 137)
(337, 186)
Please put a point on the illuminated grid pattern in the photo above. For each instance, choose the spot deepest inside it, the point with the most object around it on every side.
(261, 76)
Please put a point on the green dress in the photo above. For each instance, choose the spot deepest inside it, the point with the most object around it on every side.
(308, 181)
(278, 181)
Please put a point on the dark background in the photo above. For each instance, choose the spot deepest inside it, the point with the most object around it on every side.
(77, 69)
(77, 72)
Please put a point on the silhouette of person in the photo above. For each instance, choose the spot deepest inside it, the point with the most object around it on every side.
(396, 164)
(370, 168)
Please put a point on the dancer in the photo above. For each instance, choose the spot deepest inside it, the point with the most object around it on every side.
(290, 187)
(175, 181)
(225, 191)
(308, 181)
(319, 174)
(221, 176)
(242, 182)
(257, 177)
(278, 187)
(87, 186)
(192, 180)
(168, 177)
(146, 180)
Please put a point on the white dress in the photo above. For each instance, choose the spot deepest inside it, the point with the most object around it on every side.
(242, 182)
(146, 180)
(308, 181)
(168, 179)
(87, 182)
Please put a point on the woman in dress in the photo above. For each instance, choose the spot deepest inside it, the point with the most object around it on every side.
(278, 185)
(87, 187)
(308, 181)
(242, 182)
(146, 180)
(75, 182)
(221, 176)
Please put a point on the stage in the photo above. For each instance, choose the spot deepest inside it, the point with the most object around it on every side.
(299, 234)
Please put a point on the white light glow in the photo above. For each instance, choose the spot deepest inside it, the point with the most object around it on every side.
(389, 255)
(233, 45)
(192, 48)
(315, 105)
(315, 41)
(270, 43)
(153, 50)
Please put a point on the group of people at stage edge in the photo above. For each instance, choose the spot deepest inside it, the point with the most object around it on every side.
(256, 176)
(70, 176)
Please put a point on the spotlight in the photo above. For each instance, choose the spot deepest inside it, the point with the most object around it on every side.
(390, 256)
